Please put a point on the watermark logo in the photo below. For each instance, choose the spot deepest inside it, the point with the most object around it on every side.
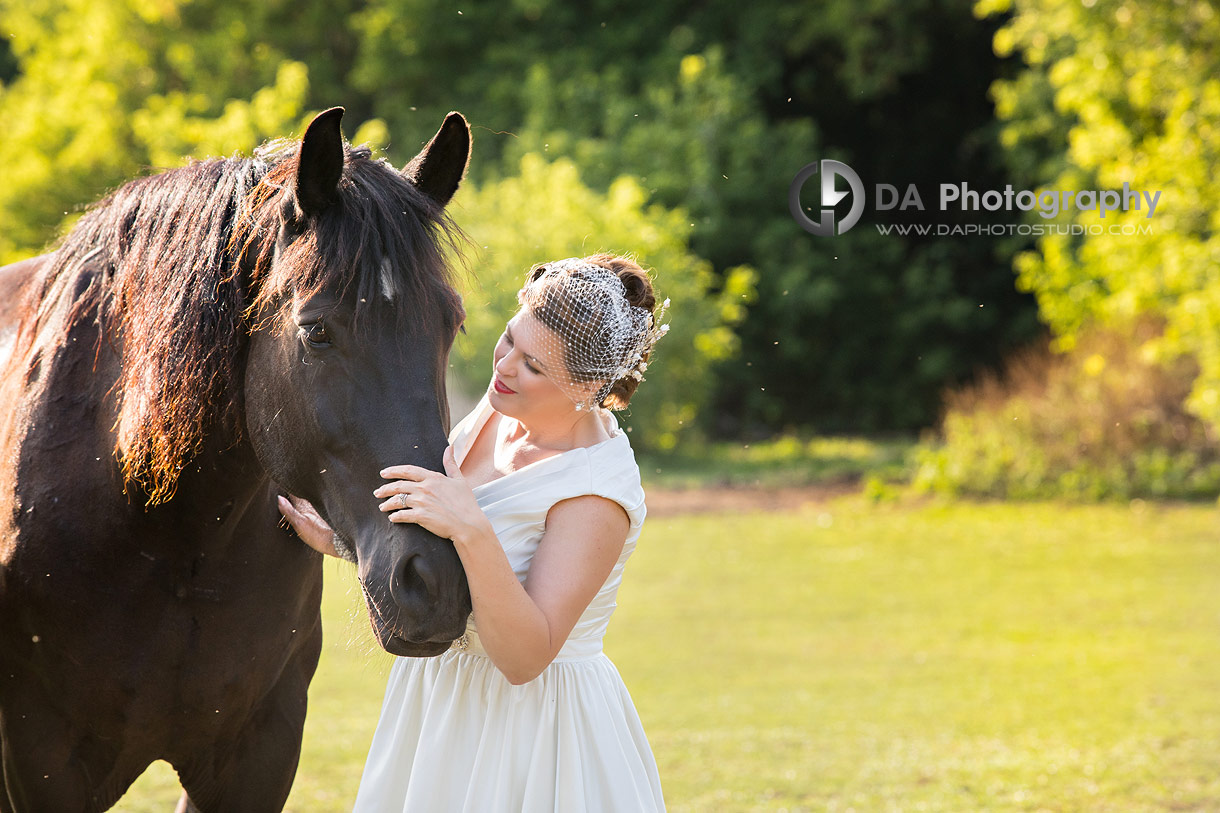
(1049, 204)
(825, 225)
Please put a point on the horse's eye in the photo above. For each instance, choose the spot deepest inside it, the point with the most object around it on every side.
(316, 335)
(291, 225)
(462, 327)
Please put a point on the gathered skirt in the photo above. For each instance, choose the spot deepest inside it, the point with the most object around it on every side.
(455, 735)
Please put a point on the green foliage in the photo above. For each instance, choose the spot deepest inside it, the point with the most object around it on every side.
(1098, 423)
(713, 109)
(106, 89)
(544, 212)
(861, 333)
(1136, 88)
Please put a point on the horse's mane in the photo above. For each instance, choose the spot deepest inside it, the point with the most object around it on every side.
(176, 266)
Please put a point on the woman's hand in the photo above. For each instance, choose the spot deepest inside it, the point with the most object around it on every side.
(442, 503)
(312, 529)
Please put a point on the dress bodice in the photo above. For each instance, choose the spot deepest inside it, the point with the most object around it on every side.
(517, 503)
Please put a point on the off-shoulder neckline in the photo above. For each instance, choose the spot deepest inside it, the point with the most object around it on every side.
(481, 420)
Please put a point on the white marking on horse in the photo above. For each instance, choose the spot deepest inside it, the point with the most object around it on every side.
(389, 280)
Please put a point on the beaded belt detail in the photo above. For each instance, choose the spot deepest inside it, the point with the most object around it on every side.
(572, 650)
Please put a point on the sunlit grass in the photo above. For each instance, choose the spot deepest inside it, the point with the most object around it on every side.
(955, 658)
(941, 657)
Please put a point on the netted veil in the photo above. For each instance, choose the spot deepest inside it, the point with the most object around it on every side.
(586, 334)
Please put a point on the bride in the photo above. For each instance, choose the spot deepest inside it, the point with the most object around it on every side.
(541, 497)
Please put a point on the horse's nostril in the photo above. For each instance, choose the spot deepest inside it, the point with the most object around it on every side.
(414, 584)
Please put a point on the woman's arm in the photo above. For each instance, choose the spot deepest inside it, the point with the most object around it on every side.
(521, 627)
(524, 627)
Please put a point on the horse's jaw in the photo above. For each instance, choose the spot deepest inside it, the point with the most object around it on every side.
(408, 649)
(394, 643)
(397, 627)
(345, 548)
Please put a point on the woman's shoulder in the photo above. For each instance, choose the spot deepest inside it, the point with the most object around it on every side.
(611, 471)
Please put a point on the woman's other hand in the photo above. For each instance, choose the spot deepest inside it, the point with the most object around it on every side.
(312, 529)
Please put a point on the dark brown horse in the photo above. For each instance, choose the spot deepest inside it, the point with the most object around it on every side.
(202, 341)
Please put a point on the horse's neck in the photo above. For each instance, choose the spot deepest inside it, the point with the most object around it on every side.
(219, 488)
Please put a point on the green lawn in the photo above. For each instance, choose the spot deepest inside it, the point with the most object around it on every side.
(940, 657)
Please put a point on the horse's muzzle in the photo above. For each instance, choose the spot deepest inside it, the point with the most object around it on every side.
(418, 599)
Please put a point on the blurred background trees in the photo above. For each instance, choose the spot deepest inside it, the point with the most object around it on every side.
(672, 132)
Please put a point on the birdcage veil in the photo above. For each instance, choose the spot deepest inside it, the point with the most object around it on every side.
(585, 333)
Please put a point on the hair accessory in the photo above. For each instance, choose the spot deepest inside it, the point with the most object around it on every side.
(582, 331)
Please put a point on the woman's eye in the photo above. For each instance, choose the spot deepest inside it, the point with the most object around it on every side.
(531, 368)
(316, 335)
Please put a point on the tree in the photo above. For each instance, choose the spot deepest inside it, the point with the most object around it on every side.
(103, 90)
(713, 107)
(1133, 88)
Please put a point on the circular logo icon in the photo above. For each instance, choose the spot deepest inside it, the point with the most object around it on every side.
(825, 225)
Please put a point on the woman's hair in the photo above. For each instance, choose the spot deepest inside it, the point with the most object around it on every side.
(573, 323)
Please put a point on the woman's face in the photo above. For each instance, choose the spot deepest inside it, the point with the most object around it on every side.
(526, 361)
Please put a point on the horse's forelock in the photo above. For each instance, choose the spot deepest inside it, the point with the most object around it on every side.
(382, 236)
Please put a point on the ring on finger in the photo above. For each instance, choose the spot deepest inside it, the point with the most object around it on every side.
(402, 500)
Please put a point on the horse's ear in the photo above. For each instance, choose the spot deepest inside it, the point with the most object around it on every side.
(321, 163)
(440, 165)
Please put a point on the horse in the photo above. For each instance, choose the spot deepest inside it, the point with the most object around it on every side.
(203, 340)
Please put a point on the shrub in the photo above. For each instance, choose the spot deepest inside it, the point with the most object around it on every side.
(1099, 422)
(545, 212)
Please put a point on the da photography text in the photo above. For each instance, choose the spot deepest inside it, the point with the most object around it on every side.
(960, 197)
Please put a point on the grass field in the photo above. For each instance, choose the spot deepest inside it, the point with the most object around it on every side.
(891, 657)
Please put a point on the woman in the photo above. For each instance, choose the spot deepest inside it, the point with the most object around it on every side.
(541, 496)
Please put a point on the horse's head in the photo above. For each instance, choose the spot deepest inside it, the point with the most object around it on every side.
(354, 318)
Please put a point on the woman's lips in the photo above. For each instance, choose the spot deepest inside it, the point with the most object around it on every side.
(499, 385)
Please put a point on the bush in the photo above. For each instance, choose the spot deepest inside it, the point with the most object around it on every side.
(1097, 423)
(545, 212)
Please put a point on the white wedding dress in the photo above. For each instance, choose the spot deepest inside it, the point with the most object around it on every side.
(455, 735)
